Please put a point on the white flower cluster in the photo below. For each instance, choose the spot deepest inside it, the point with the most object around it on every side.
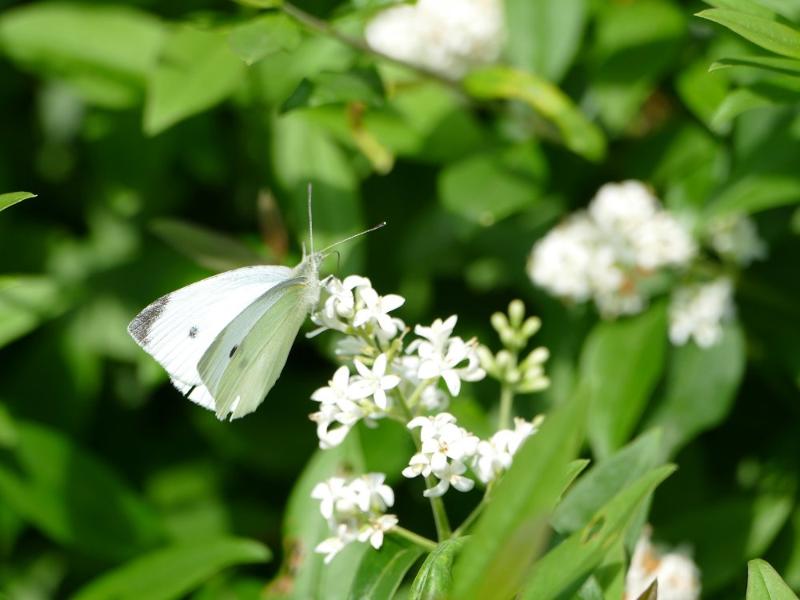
(355, 511)
(697, 311)
(678, 576)
(447, 450)
(735, 238)
(606, 252)
(449, 37)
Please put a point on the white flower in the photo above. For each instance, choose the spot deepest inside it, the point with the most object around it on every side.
(735, 238)
(458, 362)
(436, 336)
(622, 207)
(662, 241)
(375, 308)
(678, 576)
(444, 447)
(337, 408)
(340, 302)
(698, 311)
(446, 36)
(374, 530)
(354, 510)
(494, 456)
(375, 382)
(450, 474)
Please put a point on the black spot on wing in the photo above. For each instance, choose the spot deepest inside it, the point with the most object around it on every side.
(193, 332)
(189, 393)
(233, 351)
(140, 327)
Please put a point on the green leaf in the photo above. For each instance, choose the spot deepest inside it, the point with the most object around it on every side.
(196, 71)
(768, 34)
(513, 529)
(758, 95)
(13, 198)
(605, 479)
(619, 389)
(26, 301)
(72, 497)
(786, 66)
(745, 6)
(381, 571)
(577, 133)
(103, 51)
(701, 384)
(488, 187)
(544, 36)
(755, 192)
(434, 579)
(303, 574)
(206, 247)
(764, 583)
(262, 36)
(174, 571)
(574, 559)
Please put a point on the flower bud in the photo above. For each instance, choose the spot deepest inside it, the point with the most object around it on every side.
(531, 326)
(500, 323)
(516, 312)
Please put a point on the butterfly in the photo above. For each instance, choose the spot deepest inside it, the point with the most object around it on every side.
(224, 340)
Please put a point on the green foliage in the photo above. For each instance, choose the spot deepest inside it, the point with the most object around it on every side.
(169, 141)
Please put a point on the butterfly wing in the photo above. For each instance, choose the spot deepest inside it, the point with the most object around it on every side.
(178, 328)
(244, 362)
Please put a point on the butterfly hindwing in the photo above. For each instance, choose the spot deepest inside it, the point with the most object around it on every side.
(178, 328)
(246, 358)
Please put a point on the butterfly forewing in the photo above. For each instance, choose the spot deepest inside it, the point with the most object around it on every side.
(246, 358)
(178, 328)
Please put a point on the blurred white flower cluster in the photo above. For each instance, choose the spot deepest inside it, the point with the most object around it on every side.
(449, 37)
(678, 576)
(355, 510)
(412, 381)
(625, 248)
(606, 252)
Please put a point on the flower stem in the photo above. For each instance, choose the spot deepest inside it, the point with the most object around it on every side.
(476, 512)
(506, 401)
(321, 26)
(437, 506)
(414, 538)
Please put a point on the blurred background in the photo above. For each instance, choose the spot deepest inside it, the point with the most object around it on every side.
(164, 144)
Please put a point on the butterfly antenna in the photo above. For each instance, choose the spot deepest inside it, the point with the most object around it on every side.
(352, 237)
(310, 221)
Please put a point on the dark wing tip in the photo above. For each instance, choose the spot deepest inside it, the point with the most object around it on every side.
(141, 325)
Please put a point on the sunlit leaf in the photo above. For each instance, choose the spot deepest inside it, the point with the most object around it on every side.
(768, 34)
(13, 198)
(434, 579)
(173, 571)
(513, 529)
(577, 133)
(196, 71)
(764, 583)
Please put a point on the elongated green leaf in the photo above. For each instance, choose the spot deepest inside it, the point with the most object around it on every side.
(605, 479)
(72, 497)
(574, 558)
(206, 247)
(768, 34)
(701, 384)
(25, 302)
(381, 571)
(172, 572)
(263, 36)
(434, 581)
(755, 192)
(512, 530)
(303, 574)
(787, 66)
(619, 389)
(544, 36)
(741, 100)
(764, 583)
(13, 198)
(196, 70)
(745, 6)
(104, 51)
(578, 133)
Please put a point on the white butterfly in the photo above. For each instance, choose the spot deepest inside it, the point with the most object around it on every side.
(224, 340)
